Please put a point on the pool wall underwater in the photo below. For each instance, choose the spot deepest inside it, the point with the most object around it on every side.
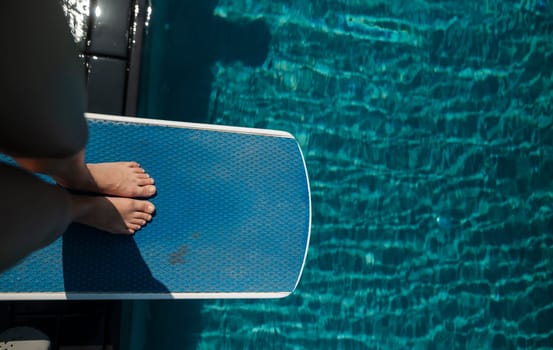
(427, 128)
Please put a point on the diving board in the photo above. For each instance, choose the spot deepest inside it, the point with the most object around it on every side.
(233, 218)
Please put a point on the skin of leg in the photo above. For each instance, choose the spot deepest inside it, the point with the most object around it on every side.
(43, 82)
(34, 214)
(125, 179)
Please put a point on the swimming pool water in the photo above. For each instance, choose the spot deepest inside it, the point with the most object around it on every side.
(428, 133)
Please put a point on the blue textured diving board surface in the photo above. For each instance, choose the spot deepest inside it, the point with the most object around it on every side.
(232, 219)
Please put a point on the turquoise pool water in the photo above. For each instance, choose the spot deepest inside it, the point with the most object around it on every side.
(428, 133)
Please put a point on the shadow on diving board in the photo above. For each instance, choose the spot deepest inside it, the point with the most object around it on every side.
(96, 263)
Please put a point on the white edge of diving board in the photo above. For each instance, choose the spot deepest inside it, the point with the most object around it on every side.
(138, 296)
(310, 216)
(187, 125)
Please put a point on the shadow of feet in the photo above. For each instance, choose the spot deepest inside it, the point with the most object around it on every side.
(98, 262)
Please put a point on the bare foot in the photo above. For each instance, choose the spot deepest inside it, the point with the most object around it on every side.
(124, 179)
(112, 214)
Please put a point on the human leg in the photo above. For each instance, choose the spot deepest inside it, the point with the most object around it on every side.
(43, 82)
(42, 122)
(125, 179)
(42, 125)
(35, 213)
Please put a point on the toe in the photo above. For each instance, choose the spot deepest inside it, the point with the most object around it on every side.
(133, 227)
(144, 182)
(143, 190)
(148, 190)
(145, 207)
(144, 216)
(139, 222)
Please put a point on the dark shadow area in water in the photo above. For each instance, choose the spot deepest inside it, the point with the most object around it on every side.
(182, 42)
(173, 324)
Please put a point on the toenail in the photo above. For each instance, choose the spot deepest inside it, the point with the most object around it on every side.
(150, 208)
(151, 190)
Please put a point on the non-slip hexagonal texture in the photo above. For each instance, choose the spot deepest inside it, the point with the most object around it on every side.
(232, 218)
